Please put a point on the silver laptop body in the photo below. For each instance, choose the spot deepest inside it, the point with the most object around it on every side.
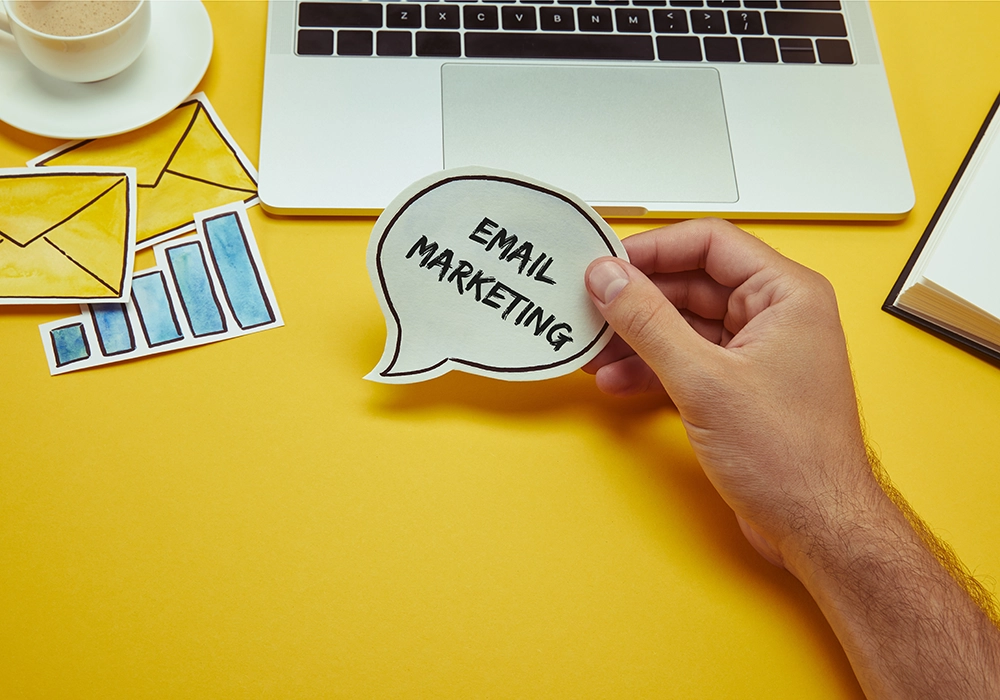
(649, 131)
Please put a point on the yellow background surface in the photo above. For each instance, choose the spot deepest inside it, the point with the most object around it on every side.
(252, 519)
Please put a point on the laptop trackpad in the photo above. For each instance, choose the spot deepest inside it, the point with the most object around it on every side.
(605, 133)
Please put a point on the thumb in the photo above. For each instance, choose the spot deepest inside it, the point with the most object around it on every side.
(643, 317)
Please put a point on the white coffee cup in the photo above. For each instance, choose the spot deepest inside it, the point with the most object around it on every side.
(80, 59)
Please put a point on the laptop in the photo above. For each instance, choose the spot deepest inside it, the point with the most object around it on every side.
(667, 108)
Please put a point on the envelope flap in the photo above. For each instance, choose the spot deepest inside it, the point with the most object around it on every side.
(148, 149)
(96, 238)
(205, 155)
(32, 204)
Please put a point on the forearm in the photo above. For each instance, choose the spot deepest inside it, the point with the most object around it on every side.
(749, 346)
(909, 628)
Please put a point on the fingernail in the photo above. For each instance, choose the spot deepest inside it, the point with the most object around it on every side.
(607, 279)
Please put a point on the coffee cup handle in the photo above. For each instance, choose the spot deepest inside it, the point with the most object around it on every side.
(4, 22)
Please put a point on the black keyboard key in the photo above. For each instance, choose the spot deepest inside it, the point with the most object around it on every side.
(393, 44)
(315, 42)
(834, 51)
(632, 20)
(810, 4)
(796, 51)
(340, 14)
(723, 49)
(558, 46)
(557, 19)
(723, 3)
(611, 2)
(442, 44)
(707, 22)
(480, 17)
(686, 3)
(402, 16)
(352, 42)
(678, 48)
(440, 16)
(759, 50)
(519, 18)
(805, 24)
(745, 22)
(761, 4)
(649, 3)
(594, 19)
(670, 21)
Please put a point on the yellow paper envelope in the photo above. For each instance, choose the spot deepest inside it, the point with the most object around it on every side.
(66, 235)
(186, 162)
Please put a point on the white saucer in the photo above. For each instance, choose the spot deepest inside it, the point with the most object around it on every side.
(168, 70)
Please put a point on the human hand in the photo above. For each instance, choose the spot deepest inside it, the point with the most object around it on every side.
(748, 344)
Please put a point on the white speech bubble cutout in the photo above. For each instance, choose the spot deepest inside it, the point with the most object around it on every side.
(483, 271)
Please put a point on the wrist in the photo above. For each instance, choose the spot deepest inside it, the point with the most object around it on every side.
(843, 533)
(908, 625)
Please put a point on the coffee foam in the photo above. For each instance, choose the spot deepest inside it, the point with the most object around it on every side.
(73, 17)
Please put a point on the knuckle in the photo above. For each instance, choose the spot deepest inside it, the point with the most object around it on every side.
(820, 290)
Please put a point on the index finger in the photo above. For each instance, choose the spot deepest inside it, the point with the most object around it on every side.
(728, 254)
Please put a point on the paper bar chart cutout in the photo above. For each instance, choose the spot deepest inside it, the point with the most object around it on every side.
(204, 288)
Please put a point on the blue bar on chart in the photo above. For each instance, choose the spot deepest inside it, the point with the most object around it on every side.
(236, 268)
(156, 311)
(198, 300)
(69, 344)
(114, 329)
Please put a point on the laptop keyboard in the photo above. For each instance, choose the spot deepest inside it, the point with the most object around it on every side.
(725, 31)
